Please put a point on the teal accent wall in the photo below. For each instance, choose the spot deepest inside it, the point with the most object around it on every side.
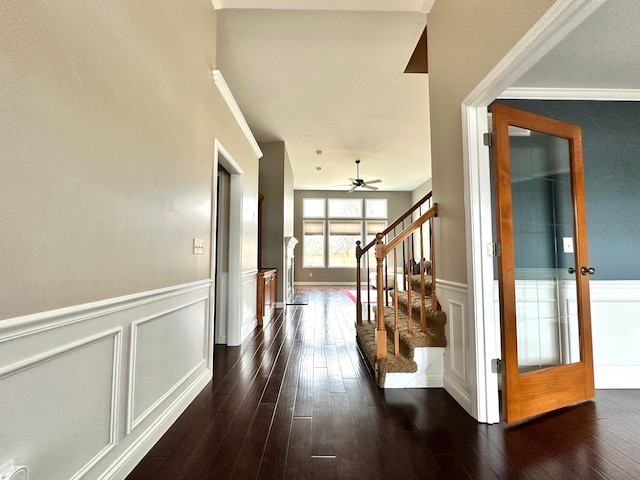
(611, 141)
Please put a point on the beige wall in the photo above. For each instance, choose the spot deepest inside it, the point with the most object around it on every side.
(276, 184)
(420, 191)
(467, 38)
(109, 114)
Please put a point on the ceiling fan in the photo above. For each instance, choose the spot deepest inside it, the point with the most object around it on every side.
(358, 182)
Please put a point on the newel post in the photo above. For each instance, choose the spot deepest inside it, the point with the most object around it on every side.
(381, 331)
(358, 280)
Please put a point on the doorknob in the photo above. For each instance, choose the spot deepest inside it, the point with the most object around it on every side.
(572, 270)
(587, 270)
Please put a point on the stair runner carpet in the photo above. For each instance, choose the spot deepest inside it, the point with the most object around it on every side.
(434, 337)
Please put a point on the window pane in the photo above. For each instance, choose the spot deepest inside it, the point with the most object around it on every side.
(313, 207)
(345, 208)
(345, 228)
(313, 244)
(376, 208)
(342, 243)
(375, 227)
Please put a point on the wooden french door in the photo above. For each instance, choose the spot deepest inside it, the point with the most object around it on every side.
(543, 267)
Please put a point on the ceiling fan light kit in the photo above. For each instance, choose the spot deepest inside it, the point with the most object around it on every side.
(359, 182)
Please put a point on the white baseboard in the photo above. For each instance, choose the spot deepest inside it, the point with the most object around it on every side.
(429, 374)
(145, 442)
(459, 393)
(617, 376)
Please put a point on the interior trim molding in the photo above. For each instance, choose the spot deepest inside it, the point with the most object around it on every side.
(555, 24)
(599, 94)
(558, 21)
(235, 110)
(116, 335)
(458, 287)
(132, 420)
(143, 444)
(13, 328)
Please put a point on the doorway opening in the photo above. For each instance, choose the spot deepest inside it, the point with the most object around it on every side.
(221, 273)
(560, 19)
(226, 249)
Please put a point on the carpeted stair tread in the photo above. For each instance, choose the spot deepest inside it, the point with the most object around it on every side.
(434, 337)
(408, 342)
(434, 316)
(389, 364)
(416, 283)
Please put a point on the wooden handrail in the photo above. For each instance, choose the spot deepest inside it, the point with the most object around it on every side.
(397, 240)
(370, 245)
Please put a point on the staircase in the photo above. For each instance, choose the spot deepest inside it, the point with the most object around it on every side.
(400, 327)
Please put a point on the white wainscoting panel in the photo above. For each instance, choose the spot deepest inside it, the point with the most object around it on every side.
(62, 404)
(249, 303)
(458, 354)
(155, 373)
(87, 390)
(615, 322)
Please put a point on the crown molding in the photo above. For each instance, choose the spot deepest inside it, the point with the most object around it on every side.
(602, 94)
(554, 25)
(235, 110)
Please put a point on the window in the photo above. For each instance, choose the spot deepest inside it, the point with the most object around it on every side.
(313, 243)
(342, 242)
(376, 208)
(331, 227)
(373, 227)
(313, 207)
(345, 208)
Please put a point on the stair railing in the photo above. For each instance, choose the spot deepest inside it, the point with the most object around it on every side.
(362, 252)
(382, 252)
(390, 244)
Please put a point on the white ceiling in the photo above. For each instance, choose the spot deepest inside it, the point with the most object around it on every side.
(353, 5)
(332, 80)
(603, 52)
(327, 74)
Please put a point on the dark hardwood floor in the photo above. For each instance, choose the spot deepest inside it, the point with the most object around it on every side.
(295, 401)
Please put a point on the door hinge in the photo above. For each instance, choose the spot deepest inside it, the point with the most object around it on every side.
(494, 250)
(497, 366)
(489, 138)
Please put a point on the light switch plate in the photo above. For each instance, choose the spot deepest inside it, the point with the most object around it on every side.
(567, 244)
(198, 246)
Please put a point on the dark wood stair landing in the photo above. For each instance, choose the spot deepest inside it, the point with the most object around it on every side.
(296, 402)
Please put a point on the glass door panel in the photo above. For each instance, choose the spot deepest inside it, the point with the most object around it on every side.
(543, 265)
(543, 250)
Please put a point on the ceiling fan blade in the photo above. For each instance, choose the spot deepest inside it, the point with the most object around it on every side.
(368, 187)
(352, 180)
(377, 180)
(352, 189)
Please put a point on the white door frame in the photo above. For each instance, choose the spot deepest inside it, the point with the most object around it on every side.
(234, 301)
(555, 24)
